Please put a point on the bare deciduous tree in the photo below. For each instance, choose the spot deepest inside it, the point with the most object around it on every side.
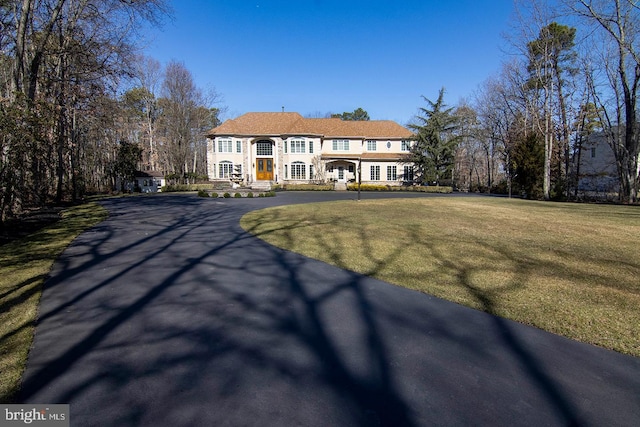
(60, 59)
(617, 22)
(184, 119)
(148, 72)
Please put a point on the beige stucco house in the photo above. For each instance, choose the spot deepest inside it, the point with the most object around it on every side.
(260, 149)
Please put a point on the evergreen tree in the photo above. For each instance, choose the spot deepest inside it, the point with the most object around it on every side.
(436, 140)
(551, 60)
(527, 162)
(357, 115)
(127, 159)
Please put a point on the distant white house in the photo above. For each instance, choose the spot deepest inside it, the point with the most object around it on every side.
(144, 182)
(597, 169)
(260, 149)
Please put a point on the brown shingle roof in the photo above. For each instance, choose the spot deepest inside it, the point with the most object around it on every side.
(257, 124)
(291, 124)
(367, 156)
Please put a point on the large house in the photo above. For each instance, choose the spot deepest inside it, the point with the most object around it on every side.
(260, 149)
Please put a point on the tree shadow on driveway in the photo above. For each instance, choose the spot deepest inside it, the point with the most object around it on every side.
(168, 313)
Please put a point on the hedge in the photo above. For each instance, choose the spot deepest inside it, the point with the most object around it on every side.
(368, 187)
(382, 187)
(307, 187)
(186, 187)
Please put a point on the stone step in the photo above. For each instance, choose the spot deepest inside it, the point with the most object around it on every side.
(261, 185)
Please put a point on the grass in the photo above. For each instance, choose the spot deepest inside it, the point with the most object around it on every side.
(24, 265)
(571, 269)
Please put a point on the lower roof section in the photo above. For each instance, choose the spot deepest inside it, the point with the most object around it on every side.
(395, 157)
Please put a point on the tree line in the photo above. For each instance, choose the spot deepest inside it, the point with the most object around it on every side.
(525, 128)
(79, 106)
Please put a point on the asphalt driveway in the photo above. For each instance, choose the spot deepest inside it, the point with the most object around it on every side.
(169, 314)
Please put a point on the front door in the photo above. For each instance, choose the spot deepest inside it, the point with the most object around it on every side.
(341, 174)
(264, 169)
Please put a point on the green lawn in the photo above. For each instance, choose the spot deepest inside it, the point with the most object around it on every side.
(572, 269)
(24, 265)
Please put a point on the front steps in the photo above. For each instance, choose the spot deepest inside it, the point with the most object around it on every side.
(261, 185)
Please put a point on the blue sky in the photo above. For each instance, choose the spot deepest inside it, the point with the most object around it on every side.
(335, 55)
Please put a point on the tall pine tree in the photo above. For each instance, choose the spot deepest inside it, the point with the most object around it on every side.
(551, 60)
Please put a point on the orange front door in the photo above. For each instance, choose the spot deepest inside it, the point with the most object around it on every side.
(264, 169)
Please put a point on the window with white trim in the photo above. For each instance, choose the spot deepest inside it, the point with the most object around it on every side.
(311, 171)
(341, 145)
(372, 145)
(238, 146)
(392, 173)
(225, 169)
(375, 173)
(311, 147)
(225, 145)
(405, 146)
(298, 170)
(298, 146)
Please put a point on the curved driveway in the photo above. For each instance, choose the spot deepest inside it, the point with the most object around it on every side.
(169, 314)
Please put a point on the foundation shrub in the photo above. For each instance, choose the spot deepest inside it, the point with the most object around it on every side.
(368, 187)
(308, 187)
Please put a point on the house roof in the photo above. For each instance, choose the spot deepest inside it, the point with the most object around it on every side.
(292, 124)
(148, 174)
(364, 156)
(258, 124)
(383, 156)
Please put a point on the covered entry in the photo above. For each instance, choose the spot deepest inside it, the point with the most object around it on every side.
(342, 170)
